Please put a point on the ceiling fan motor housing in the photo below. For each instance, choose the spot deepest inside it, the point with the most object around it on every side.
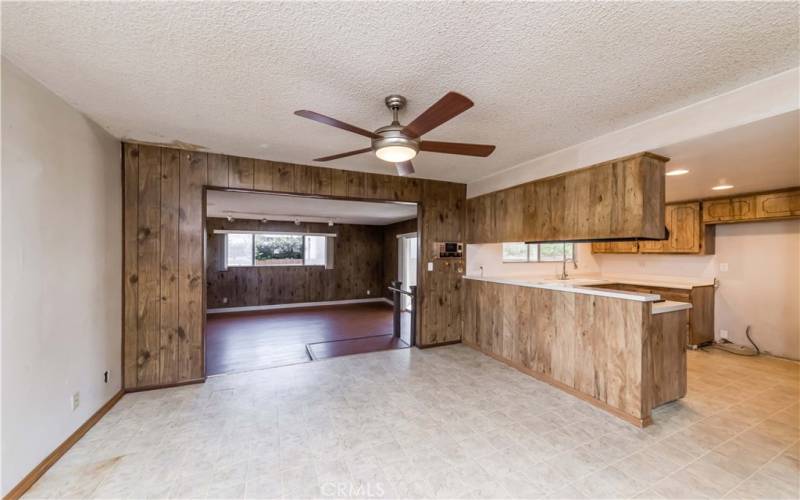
(392, 135)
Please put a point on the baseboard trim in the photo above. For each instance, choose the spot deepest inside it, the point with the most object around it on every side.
(441, 344)
(638, 422)
(38, 471)
(165, 386)
(222, 310)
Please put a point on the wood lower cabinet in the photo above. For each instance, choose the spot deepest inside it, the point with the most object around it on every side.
(701, 315)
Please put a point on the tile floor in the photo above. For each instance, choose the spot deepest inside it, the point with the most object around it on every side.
(440, 423)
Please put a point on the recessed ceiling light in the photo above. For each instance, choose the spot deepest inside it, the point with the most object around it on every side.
(678, 171)
(722, 187)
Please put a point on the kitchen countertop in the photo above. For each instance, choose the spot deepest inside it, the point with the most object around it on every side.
(584, 286)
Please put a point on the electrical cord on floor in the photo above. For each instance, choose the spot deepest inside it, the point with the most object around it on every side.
(728, 346)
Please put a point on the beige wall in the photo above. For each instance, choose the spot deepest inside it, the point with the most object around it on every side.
(61, 265)
(761, 287)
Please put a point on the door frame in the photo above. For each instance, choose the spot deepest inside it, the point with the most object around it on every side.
(207, 188)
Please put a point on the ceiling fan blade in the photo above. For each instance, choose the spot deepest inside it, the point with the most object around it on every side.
(449, 106)
(404, 168)
(456, 148)
(333, 122)
(342, 155)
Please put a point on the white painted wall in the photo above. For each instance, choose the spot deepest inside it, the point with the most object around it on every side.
(761, 287)
(61, 270)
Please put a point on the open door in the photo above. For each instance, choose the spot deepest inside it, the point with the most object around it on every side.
(407, 265)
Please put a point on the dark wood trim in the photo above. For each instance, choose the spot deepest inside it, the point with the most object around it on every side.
(428, 346)
(38, 471)
(167, 386)
(122, 267)
(638, 422)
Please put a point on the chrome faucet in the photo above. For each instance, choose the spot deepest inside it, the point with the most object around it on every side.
(564, 275)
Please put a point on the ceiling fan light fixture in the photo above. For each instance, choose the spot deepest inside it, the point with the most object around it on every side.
(395, 154)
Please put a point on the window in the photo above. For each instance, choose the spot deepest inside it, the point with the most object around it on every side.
(538, 252)
(259, 249)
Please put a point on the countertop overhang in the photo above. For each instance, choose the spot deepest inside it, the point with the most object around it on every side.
(585, 286)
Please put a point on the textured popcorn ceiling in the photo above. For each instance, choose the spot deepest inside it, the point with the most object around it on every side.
(227, 76)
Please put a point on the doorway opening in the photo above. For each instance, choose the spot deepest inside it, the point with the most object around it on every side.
(294, 279)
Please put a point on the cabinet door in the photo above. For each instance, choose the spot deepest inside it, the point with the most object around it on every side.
(683, 222)
(773, 205)
(481, 220)
(729, 209)
(615, 247)
(508, 214)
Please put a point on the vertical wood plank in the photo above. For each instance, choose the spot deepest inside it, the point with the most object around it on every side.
(193, 175)
(338, 182)
(355, 184)
(131, 276)
(264, 172)
(149, 330)
(169, 232)
(303, 179)
(283, 178)
(217, 170)
(321, 181)
(240, 172)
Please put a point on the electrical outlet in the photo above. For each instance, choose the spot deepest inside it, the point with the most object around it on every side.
(723, 267)
(723, 334)
(369, 292)
(224, 300)
(76, 400)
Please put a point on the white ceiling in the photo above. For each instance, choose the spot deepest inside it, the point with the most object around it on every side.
(759, 156)
(305, 209)
(228, 75)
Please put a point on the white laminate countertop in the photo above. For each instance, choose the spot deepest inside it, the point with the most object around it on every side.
(584, 286)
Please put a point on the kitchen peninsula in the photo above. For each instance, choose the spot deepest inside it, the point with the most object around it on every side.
(623, 351)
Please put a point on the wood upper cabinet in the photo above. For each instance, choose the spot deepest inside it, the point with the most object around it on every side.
(736, 209)
(622, 198)
(782, 204)
(615, 247)
(687, 234)
(480, 219)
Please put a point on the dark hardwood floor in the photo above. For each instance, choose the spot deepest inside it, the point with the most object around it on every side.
(238, 342)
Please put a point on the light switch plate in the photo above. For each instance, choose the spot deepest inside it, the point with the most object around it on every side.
(430, 266)
(723, 267)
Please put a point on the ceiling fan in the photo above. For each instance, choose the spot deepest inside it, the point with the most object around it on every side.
(399, 144)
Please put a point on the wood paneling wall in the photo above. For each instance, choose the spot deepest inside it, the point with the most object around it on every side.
(164, 283)
(390, 257)
(358, 268)
(610, 351)
(622, 198)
